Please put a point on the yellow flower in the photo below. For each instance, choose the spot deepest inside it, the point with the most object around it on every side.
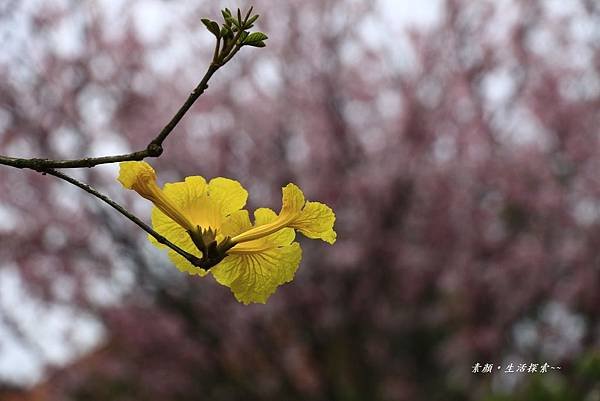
(257, 257)
(140, 177)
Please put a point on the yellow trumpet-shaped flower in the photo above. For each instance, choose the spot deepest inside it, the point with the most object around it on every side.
(140, 177)
(313, 219)
(260, 256)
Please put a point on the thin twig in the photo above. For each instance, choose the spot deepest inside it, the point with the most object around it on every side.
(216, 52)
(194, 260)
(199, 90)
(154, 148)
(37, 164)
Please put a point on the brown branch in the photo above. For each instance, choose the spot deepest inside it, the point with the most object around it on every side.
(210, 256)
(194, 260)
(196, 93)
(154, 148)
(39, 164)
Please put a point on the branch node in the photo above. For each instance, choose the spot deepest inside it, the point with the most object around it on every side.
(154, 149)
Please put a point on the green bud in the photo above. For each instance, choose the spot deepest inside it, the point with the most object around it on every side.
(212, 26)
(227, 17)
(255, 38)
(251, 21)
(226, 32)
(256, 44)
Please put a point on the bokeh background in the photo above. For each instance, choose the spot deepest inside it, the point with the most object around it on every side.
(458, 142)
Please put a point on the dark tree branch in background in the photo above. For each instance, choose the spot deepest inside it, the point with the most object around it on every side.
(233, 35)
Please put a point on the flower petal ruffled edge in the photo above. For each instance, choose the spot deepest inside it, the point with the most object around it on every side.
(313, 219)
(207, 205)
(253, 277)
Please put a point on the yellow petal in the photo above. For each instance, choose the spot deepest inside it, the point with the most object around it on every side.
(237, 222)
(187, 195)
(131, 172)
(254, 277)
(292, 201)
(313, 219)
(175, 233)
(182, 263)
(316, 221)
(262, 217)
(282, 237)
(167, 227)
(207, 205)
(141, 177)
(227, 195)
(254, 269)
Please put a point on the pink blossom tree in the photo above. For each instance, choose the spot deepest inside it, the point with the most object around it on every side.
(460, 160)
